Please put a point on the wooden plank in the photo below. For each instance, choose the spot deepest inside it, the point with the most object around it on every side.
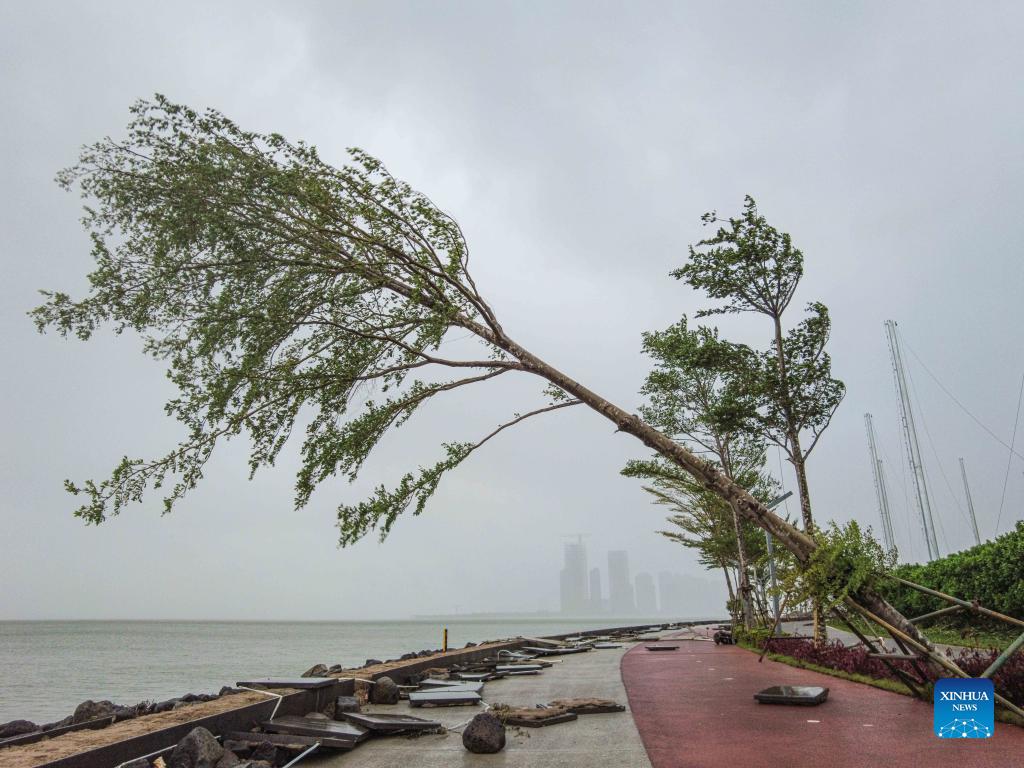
(374, 721)
(286, 740)
(304, 726)
(287, 682)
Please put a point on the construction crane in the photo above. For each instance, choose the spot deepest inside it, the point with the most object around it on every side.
(878, 471)
(924, 504)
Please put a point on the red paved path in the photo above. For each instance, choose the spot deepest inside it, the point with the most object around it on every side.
(695, 708)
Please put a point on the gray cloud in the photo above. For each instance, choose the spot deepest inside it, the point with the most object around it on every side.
(577, 145)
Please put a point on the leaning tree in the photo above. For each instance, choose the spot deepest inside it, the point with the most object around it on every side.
(276, 288)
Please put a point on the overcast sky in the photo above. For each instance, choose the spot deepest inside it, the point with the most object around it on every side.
(578, 145)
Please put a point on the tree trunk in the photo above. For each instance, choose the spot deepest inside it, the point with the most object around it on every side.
(744, 575)
(800, 544)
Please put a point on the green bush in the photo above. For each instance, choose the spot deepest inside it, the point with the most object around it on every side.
(991, 573)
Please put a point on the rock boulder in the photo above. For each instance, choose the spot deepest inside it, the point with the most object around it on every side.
(484, 735)
(199, 749)
(384, 691)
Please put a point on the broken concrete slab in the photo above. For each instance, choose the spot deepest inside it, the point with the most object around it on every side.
(441, 698)
(289, 682)
(331, 729)
(384, 723)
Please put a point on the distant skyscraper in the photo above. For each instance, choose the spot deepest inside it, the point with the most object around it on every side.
(672, 592)
(620, 588)
(596, 602)
(646, 597)
(573, 580)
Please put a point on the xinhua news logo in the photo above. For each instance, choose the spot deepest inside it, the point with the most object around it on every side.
(964, 708)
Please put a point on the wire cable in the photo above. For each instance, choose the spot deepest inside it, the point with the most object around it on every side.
(957, 401)
(1009, 460)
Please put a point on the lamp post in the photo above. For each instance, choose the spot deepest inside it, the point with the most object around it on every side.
(771, 557)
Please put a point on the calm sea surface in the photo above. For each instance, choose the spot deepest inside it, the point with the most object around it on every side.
(48, 667)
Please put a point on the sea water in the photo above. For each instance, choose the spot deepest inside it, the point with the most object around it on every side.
(48, 667)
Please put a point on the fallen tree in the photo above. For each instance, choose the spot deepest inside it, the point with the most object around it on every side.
(273, 284)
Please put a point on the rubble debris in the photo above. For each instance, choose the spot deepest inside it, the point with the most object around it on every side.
(535, 717)
(587, 706)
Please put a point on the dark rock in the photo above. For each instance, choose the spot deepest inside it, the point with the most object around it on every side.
(470, 645)
(335, 668)
(317, 670)
(17, 728)
(484, 735)
(127, 713)
(407, 656)
(229, 760)
(193, 697)
(199, 749)
(228, 689)
(58, 724)
(165, 706)
(91, 710)
(384, 691)
(345, 704)
(181, 703)
(372, 662)
(265, 752)
(255, 764)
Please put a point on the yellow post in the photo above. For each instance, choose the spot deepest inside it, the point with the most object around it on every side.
(446, 639)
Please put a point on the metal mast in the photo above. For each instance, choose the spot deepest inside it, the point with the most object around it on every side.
(924, 505)
(883, 498)
(970, 503)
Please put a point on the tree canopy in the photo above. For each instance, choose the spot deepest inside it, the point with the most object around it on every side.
(274, 286)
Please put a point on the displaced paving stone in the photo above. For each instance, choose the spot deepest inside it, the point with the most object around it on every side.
(484, 735)
(199, 749)
(17, 728)
(384, 691)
